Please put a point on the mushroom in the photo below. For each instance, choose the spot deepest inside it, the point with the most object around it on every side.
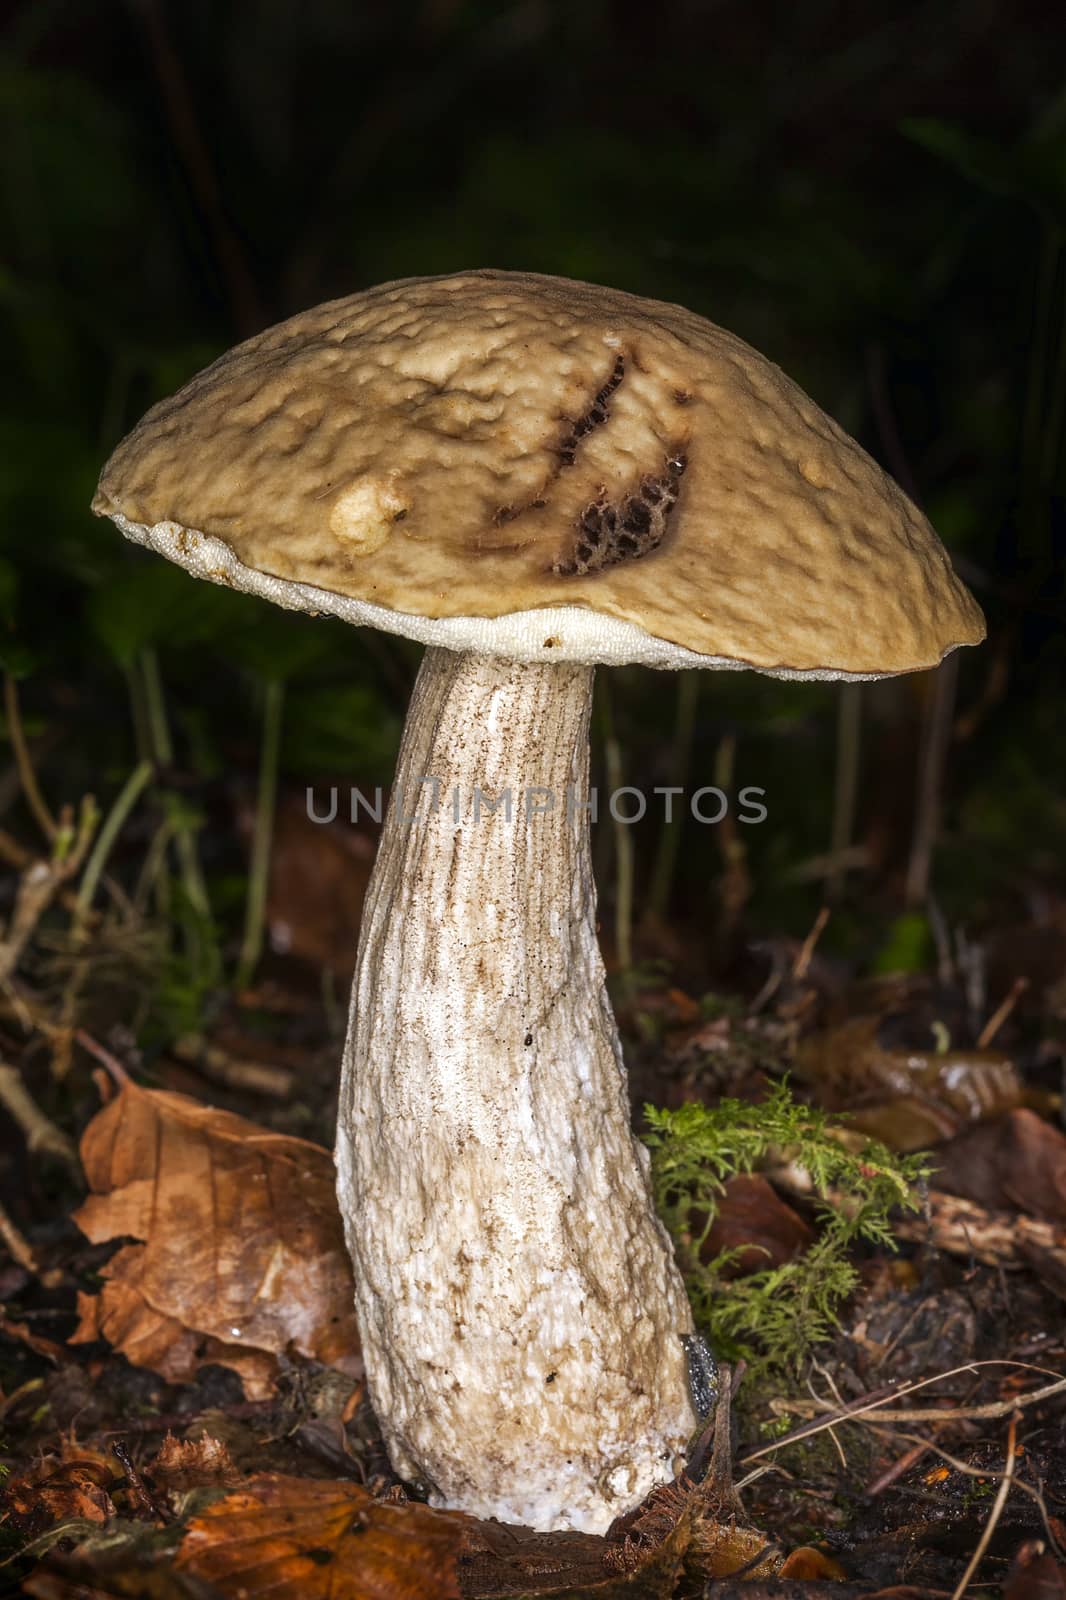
(531, 476)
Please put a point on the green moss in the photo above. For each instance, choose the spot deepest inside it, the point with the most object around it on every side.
(772, 1318)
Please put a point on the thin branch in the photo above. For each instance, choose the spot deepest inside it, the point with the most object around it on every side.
(925, 1446)
(262, 835)
(120, 810)
(20, 1249)
(996, 1512)
(40, 1131)
(1001, 1013)
(106, 1059)
(846, 785)
(806, 951)
(860, 1410)
(27, 777)
(42, 880)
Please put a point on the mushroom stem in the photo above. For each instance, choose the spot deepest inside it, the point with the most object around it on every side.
(520, 1309)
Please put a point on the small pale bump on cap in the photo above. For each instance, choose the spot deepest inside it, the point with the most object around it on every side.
(363, 516)
(403, 458)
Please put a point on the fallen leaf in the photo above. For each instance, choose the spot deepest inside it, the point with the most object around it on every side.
(318, 877)
(148, 1338)
(242, 1255)
(907, 1098)
(72, 1485)
(807, 1564)
(1018, 1163)
(24, 1334)
(1036, 1575)
(303, 1538)
(679, 1527)
(75, 1580)
(754, 1220)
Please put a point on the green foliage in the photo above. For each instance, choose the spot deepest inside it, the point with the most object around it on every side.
(908, 945)
(772, 1318)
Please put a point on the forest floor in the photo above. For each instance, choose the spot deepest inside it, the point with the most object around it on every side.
(167, 1429)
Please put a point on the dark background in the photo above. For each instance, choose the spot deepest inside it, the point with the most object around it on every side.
(872, 195)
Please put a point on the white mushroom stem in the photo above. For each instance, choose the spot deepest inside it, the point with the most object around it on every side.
(521, 1313)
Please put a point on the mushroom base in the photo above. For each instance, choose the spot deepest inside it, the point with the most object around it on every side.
(520, 1309)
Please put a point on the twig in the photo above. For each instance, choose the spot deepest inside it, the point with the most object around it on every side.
(735, 885)
(1001, 1013)
(860, 1410)
(106, 1059)
(120, 810)
(235, 1072)
(27, 777)
(20, 1249)
(963, 1228)
(995, 1514)
(124, 803)
(806, 952)
(936, 737)
(846, 785)
(162, 748)
(40, 1131)
(42, 880)
(138, 1488)
(266, 805)
(925, 1446)
(16, 855)
(665, 865)
(985, 1413)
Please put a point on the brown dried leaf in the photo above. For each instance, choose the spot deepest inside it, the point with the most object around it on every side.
(807, 1564)
(60, 1488)
(679, 1527)
(24, 1334)
(302, 1538)
(243, 1254)
(907, 1098)
(753, 1219)
(1017, 1164)
(318, 877)
(87, 1575)
(1036, 1575)
(121, 1315)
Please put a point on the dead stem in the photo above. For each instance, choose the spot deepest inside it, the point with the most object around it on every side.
(20, 1249)
(803, 959)
(925, 1446)
(873, 1407)
(1001, 1013)
(996, 1512)
(41, 1133)
(27, 777)
(105, 1058)
(42, 880)
(986, 1413)
(234, 1072)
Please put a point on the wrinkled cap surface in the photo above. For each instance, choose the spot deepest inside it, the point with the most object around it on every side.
(534, 466)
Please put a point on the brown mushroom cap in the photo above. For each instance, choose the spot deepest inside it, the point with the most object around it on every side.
(437, 453)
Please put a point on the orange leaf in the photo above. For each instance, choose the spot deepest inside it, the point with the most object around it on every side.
(56, 1489)
(243, 1254)
(809, 1565)
(301, 1539)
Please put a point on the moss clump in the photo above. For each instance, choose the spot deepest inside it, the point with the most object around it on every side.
(772, 1318)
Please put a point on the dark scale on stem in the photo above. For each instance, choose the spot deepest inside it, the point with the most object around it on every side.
(702, 1374)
